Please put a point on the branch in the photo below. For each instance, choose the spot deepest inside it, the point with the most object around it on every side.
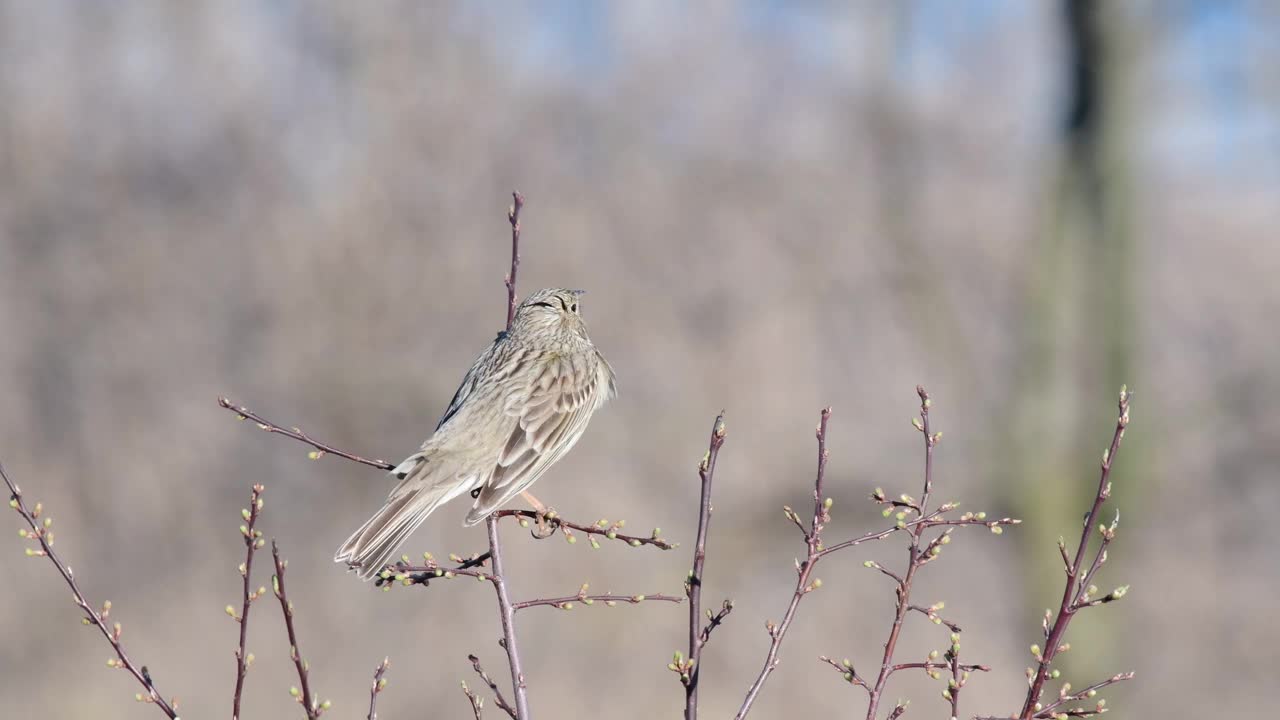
(321, 449)
(609, 599)
(498, 700)
(550, 522)
(310, 704)
(477, 702)
(507, 612)
(916, 560)
(40, 532)
(252, 542)
(379, 684)
(813, 539)
(513, 216)
(691, 670)
(1077, 588)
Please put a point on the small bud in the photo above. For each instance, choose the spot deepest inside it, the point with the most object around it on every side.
(997, 530)
(817, 583)
(635, 543)
(826, 504)
(230, 611)
(1055, 674)
(981, 516)
(326, 705)
(294, 691)
(1035, 650)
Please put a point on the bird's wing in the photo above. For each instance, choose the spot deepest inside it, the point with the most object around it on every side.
(469, 380)
(552, 411)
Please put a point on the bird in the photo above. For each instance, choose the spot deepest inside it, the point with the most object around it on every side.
(524, 403)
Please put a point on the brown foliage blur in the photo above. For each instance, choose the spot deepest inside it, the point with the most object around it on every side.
(300, 206)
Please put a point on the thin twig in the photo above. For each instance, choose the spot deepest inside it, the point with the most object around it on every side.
(297, 434)
(513, 217)
(310, 703)
(1076, 587)
(379, 684)
(507, 613)
(915, 560)
(813, 540)
(477, 702)
(691, 669)
(252, 542)
(40, 532)
(601, 528)
(498, 700)
(609, 599)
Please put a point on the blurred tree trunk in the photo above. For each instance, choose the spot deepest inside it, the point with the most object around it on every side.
(1079, 327)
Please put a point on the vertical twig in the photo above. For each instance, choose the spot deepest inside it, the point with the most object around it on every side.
(41, 534)
(252, 542)
(813, 539)
(508, 615)
(915, 561)
(690, 671)
(505, 608)
(313, 707)
(513, 216)
(1076, 586)
(377, 687)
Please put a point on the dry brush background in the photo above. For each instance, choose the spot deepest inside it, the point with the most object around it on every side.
(301, 205)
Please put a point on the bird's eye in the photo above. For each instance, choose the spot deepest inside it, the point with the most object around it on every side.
(574, 307)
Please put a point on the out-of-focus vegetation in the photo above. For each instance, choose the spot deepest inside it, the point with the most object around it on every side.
(773, 207)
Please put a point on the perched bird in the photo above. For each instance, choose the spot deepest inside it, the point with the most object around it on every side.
(525, 401)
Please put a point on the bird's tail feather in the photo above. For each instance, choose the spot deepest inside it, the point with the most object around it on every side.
(369, 548)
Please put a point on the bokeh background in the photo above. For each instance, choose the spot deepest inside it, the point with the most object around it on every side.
(775, 207)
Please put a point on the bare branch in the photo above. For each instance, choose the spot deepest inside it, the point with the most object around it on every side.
(513, 216)
(690, 670)
(498, 700)
(1076, 587)
(41, 533)
(313, 707)
(379, 684)
(609, 599)
(813, 539)
(321, 449)
(252, 542)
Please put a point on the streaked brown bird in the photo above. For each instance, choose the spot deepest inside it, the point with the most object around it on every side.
(523, 404)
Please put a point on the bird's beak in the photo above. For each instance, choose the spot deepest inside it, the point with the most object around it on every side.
(578, 292)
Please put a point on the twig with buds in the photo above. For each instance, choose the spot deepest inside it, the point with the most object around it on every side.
(312, 705)
(1079, 590)
(804, 569)
(498, 699)
(41, 532)
(690, 670)
(379, 684)
(252, 541)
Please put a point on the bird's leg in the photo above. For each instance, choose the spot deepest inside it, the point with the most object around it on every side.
(544, 528)
(534, 502)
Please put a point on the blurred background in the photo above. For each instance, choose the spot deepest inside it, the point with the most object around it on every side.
(774, 206)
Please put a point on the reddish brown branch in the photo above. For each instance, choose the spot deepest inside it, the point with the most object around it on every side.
(507, 614)
(40, 532)
(550, 522)
(310, 703)
(379, 684)
(1076, 586)
(915, 560)
(513, 216)
(691, 670)
(609, 599)
(297, 434)
(813, 540)
(498, 700)
(252, 542)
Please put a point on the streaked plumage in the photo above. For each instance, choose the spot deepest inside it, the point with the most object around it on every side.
(523, 404)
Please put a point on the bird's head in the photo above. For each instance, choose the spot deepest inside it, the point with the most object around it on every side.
(551, 308)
